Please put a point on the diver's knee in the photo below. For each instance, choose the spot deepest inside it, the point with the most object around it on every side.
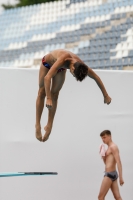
(117, 197)
(41, 93)
(100, 197)
(55, 96)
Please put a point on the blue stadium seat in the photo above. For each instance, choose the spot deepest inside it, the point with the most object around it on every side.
(131, 61)
(42, 33)
(130, 53)
(125, 62)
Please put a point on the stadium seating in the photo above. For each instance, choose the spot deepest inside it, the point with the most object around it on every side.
(100, 32)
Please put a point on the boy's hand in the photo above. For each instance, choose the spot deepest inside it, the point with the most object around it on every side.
(49, 103)
(121, 181)
(107, 99)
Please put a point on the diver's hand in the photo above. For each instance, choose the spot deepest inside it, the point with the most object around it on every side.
(49, 103)
(107, 99)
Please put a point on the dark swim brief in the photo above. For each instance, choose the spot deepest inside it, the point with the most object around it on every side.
(112, 175)
(48, 66)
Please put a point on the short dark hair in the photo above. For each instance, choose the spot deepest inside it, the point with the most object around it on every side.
(81, 71)
(105, 132)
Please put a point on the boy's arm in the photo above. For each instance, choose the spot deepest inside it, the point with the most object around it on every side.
(104, 159)
(116, 155)
(94, 76)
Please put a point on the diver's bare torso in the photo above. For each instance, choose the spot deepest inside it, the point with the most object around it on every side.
(110, 163)
(52, 57)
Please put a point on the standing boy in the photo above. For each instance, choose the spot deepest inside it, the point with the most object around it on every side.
(110, 159)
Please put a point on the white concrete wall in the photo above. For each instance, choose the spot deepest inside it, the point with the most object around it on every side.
(72, 149)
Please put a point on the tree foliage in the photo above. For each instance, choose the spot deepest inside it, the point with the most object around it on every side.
(21, 3)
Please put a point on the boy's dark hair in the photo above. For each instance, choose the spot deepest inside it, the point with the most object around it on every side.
(81, 71)
(105, 132)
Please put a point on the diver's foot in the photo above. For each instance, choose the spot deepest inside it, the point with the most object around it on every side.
(47, 133)
(38, 133)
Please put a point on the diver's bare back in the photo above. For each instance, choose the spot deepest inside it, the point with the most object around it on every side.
(110, 163)
(52, 57)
